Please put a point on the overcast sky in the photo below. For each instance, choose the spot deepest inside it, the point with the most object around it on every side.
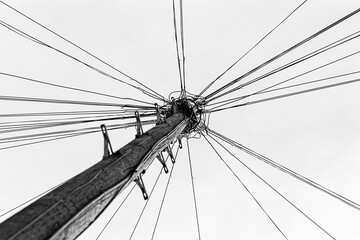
(315, 134)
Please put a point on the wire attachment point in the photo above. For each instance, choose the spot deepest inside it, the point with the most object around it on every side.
(168, 149)
(139, 129)
(180, 143)
(139, 181)
(160, 157)
(159, 119)
(107, 144)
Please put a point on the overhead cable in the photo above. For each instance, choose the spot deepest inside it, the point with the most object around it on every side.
(180, 41)
(21, 123)
(268, 184)
(78, 47)
(283, 53)
(233, 100)
(72, 88)
(271, 89)
(145, 205)
(32, 199)
(285, 95)
(177, 47)
(182, 44)
(193, 189)
(287, 170)
(252, 48)
(164, 195)
(36, 126)
(50, 114)
(58, 101)
(246, 188)
(35, 40)
(57, 135)
(294, 62)
(112, 216)
(48, 140)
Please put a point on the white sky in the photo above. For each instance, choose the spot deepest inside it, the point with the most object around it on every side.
(315, 134)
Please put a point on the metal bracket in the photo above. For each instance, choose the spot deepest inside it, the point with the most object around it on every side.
(168, 149)
(139, 129)
(158, 116)
(174, 106)
(180, 143)
(139, 181)
(107, 144)
(163, 163)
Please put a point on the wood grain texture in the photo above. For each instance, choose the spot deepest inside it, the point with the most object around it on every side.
(67, 211)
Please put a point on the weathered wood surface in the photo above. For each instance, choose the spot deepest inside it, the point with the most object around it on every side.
(67, 211)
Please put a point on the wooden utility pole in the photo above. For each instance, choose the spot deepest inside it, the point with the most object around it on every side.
(68, 210)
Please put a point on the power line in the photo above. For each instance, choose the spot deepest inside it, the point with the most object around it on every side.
(22, 123)
(52, 136)
(286, 95)
(58, 101)
(164, 195)
(50, 114)
(182, 43)
(283, 53)
(36, 126)
(287, 170)
(108, 222)
(35, 40)
(142, 211)
(177, 47)
(252, 48)
(145, 205)
(193, 189)
(243, 184)
(309, 82)
(71, 88)
(297, 61)
(47, 134)
(264, 181)
(268, 89)
(47, 140)
(147, 201)
(31, 199)
(232, 100)
(78, 47)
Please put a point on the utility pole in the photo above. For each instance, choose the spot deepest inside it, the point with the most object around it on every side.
(68, 210)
